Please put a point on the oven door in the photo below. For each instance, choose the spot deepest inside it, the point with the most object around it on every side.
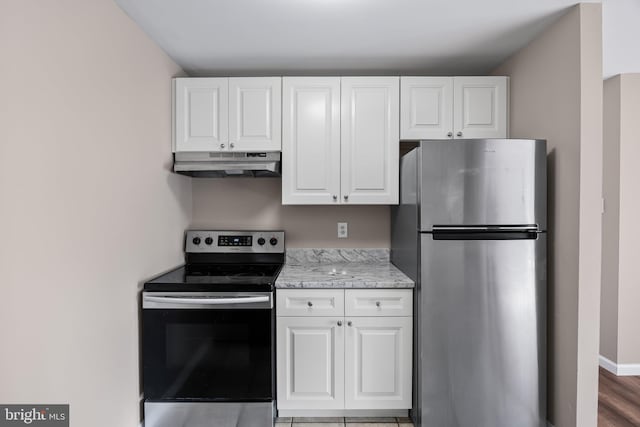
(207, 346)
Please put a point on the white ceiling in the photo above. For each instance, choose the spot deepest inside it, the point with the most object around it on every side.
(223, 37)
(620, 37)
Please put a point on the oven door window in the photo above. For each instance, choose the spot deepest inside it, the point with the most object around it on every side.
(207, 354)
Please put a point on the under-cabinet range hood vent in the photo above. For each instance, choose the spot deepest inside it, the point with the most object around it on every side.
(222, 165)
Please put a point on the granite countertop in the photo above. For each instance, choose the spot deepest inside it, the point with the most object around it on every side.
(340, 268)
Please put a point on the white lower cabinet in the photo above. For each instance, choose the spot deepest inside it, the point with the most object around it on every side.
(310, 362)
(335, 360)
(378, 362)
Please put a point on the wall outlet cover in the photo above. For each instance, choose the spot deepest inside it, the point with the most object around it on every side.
(343, 230)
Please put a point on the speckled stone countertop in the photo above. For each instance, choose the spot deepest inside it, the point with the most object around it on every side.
(341, 268)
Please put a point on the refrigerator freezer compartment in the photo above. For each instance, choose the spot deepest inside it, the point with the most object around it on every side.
(488, 181)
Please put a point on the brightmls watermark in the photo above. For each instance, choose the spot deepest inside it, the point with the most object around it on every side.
(34, 415)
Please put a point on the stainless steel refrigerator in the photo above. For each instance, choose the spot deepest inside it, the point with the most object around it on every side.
(470, 229)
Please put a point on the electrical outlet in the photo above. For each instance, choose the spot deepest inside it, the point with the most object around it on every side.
(343, 230)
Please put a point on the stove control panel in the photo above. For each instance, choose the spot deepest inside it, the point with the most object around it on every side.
(208, 241)
(235, 240)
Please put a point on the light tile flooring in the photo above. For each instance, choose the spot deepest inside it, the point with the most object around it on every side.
(344, 422)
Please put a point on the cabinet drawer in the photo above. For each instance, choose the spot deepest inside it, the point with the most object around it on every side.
(379, 302)
(310, 302)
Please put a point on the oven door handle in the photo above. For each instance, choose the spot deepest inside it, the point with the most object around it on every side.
(207, 300)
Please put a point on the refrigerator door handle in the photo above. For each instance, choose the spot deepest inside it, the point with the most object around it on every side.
(529, 228)
(489, 232)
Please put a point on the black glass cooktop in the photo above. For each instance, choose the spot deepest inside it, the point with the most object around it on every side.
(232, 271)
(217, 277)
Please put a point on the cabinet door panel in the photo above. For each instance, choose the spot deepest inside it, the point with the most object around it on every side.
(378, 357)
(370, 140)
(310, 362)
(426, 107)
(200, 114)
(311, 140)
(480, 107)
(255, 113)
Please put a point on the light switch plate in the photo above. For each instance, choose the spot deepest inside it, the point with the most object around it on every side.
(343, 230)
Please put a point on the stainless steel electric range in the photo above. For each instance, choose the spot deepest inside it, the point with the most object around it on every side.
(208, 333)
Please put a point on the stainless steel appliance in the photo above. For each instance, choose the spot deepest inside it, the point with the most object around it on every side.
(208, 333)
(471, 231)
(233, 164)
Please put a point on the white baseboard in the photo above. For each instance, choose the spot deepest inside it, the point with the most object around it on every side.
(620, 369)
(608, 365)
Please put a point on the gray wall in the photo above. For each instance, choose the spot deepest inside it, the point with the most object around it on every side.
(621, 270)
(610, 221)
(556, 94)
(246, 203)
(88, 207)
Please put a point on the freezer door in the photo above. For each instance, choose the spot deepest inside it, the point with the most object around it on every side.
(482, 351)
(483, 182)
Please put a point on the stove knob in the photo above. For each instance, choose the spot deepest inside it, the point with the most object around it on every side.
(273, 241)
(208, 240)
(196, 240)
(261, 241)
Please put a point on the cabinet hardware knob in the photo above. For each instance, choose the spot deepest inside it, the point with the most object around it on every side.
(335, 197)
(232, 145)
(349, 323)
(450, 134)
(310, 304)
(346, 197)
(377, 303)
(339, 322)
(459, 134)
(221, 145)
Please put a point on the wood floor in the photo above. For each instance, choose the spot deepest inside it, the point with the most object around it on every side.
(618, 400)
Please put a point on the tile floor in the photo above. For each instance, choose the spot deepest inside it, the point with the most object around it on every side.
(344, 422)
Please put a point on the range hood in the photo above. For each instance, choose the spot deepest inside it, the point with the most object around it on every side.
(221, 165)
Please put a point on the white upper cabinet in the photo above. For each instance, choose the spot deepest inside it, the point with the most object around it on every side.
(340, 140)
(427, 108)
(370, 140)
(200, 114)
(481, 105)
(255, 113)
(311, 140)
(227, 114)
(454, 107)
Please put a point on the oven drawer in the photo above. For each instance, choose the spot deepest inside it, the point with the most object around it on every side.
(310, 302)
(379, 302)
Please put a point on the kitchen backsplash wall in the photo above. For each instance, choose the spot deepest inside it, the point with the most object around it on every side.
(250, 203)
